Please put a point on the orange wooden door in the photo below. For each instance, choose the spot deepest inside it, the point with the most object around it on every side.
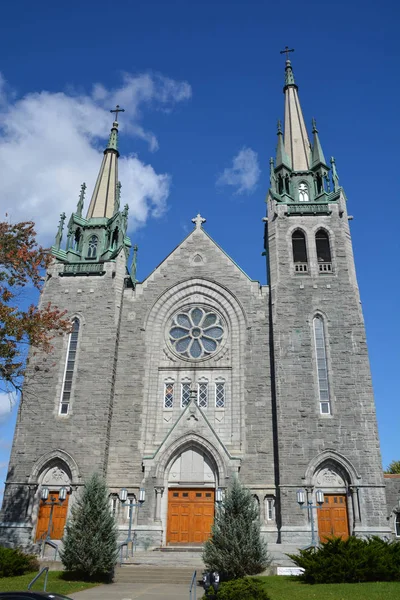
(58, 520)
(333, 518)
(190, 515)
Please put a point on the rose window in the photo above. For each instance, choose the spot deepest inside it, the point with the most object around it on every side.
(196, 333)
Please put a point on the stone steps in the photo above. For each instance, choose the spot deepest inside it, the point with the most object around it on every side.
(154, 574)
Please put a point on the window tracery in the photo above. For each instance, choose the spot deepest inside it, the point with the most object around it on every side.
(196, 332)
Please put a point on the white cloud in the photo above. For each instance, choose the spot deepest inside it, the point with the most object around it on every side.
(244, 172)
(7, 403)
(50, 142)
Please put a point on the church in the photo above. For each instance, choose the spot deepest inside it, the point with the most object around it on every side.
(173, 386)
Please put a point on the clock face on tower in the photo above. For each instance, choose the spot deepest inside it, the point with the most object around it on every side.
(196, 332)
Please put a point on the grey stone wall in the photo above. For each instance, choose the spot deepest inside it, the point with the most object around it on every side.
(141, 428)
(82, 436)
(348, 438)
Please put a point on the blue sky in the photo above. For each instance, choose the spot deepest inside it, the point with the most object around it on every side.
(202, 84)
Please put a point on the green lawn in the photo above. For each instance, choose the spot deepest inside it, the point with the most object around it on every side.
(54, 583)
(288, 588)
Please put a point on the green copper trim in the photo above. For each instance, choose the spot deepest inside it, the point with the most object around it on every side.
(289, 76)
(113, 139)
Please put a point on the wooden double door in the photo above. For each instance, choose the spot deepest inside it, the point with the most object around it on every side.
(58, 520)
(190, 515)
(333, 518)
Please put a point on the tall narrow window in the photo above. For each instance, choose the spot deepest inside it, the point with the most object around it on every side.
(299, 252)
(322, 366)
(397, 524)
(77, 239)
(185, 394)
(323, 251)
(269, 509)
(220, 395)
(202, 398)
(69, 368)
(92, 248)
(168, 395)
(303, 192)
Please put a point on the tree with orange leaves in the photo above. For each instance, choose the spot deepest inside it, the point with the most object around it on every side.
(22, 263)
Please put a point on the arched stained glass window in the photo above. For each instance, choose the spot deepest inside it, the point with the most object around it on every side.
(69, 368)
(92, 248)
(322, 366)
(196, 333)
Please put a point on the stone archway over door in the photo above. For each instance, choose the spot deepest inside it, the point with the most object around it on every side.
(333, 518)
(191, 498)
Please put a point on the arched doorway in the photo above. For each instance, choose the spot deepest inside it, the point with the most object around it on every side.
(52, 513)
(333, 517)
(191, 497)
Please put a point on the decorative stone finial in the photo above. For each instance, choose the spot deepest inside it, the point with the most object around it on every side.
(124, 218)
(314, 125)
(279, 126)
(335, 176)
(57, 243)
(81, 200)
(198, 221)
(134, 264)
(117, 198)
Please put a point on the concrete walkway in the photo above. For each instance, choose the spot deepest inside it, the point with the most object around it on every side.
(137, 591)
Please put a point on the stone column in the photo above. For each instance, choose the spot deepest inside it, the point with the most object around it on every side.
(159, 493)
(355, 505)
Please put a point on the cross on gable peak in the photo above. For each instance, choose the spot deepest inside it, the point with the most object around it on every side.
(198, 221)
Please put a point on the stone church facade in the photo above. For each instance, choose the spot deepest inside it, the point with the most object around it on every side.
(197, 375)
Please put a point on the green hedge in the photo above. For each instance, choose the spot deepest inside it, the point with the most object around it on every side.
(15, 562)
(242, 589)
(350, 561)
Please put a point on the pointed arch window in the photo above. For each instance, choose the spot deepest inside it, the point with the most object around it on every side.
(304, 195)
(92, 247)
(322, 365)
(397, 524)
(323, 251)
(69, 368)
(299, 248)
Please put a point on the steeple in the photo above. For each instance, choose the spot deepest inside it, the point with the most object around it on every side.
(297, 144)
(105, 194)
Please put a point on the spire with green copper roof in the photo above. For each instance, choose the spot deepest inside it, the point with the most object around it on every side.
(105, 194)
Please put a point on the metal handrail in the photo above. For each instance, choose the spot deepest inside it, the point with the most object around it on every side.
(193, 586)
(120, 548)
(50, 543)
(37, 577)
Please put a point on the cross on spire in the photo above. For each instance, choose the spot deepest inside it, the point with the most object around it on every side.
(117, 110)
(198, 221)
(286, 51)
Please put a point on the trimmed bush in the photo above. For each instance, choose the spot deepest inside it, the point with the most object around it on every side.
(236, 548)
(350, 561)
(242, 589)
(15, 562)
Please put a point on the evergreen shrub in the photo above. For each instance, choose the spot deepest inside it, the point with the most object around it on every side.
(90, 542)
(350, 561)
(235, 548)
(15, 562)
(242, 589)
